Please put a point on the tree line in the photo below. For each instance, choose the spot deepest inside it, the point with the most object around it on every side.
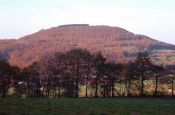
(79, 73)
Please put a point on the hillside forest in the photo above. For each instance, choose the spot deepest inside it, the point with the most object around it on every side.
(80, 73)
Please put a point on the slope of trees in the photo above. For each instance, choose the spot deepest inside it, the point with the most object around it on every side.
(114, 43)
(79, 73)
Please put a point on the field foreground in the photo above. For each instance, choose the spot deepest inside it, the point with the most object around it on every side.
(89, 106)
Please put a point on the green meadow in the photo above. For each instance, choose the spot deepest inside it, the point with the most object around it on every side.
(88, 106)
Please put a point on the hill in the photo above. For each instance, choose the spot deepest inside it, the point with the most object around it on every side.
(115, 43)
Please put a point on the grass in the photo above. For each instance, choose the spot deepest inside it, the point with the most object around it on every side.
(89, 106)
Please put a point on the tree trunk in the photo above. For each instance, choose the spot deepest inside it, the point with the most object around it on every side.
(128, 89)
(172, 87)
(96, 89)
(77, 79)
(104, 89)
(112, 90)
(87, 79)
(86, 90)
(155, 93)
(142, 86)
(59, 92)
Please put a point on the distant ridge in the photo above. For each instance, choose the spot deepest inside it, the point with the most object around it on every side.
(73, 25)
(115, 43)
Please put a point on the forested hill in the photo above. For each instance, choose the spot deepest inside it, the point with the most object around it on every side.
(115, 43)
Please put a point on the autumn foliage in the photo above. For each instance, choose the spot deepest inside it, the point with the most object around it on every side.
(79, 73)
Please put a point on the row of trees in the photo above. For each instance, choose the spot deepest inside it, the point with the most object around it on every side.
(79, 73)
(8, 75)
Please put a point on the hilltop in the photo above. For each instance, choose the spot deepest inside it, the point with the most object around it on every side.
(115, 43)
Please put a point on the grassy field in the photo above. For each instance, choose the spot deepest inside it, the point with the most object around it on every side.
(90, 106)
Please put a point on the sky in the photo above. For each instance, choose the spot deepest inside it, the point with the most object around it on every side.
(154, 18)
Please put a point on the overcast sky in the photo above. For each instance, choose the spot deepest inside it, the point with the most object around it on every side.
(155, 18)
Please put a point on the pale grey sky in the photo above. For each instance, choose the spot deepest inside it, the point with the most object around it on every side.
(155, 18)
